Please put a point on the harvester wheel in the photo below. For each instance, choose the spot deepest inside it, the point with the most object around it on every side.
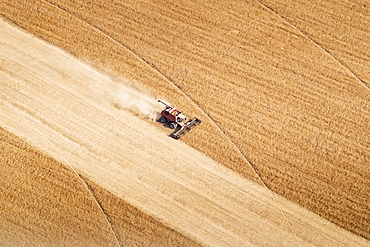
(163, 119)
(173, 125)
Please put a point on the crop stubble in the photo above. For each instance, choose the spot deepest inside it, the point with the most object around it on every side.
(301, 118)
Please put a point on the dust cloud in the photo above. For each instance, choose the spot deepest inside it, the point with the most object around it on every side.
(126, 97)
(123, 94)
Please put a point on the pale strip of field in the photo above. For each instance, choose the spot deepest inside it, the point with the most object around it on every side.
(61, 106)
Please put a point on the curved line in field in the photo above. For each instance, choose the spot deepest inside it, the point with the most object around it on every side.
(78, 176)
(153, 67)
(106, 217)
(366, 85)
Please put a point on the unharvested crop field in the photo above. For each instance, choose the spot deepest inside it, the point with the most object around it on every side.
(46, 204)
(282, 88)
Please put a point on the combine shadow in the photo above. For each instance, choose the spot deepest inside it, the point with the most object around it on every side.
(166, 125)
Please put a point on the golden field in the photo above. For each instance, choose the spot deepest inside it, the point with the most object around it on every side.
(49, 205)
(282, 89)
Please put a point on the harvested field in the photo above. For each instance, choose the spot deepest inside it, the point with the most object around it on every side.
(295, 105)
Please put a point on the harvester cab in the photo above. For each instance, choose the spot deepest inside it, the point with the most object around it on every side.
(175, 118)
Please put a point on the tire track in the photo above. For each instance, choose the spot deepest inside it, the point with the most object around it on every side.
(365, 84)
(168, 79)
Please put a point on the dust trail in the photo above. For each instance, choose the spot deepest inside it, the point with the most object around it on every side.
(125, 97)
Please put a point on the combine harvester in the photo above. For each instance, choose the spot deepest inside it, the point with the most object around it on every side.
(175, 119)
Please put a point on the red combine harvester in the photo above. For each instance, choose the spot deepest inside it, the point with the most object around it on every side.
(177, 120)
